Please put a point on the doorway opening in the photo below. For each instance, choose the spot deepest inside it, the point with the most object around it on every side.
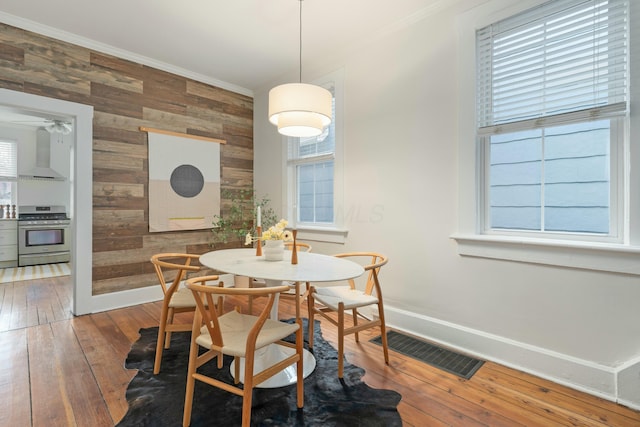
(80, 181)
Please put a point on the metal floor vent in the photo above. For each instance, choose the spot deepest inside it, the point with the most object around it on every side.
(447, 360)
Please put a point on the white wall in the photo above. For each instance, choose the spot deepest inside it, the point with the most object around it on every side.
(577, 327)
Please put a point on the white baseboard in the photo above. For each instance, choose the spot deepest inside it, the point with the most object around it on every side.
(126, 298)
(628, 384)
(599, 380)
(629, 404)
(137, 296)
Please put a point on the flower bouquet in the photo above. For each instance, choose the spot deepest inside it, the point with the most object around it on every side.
(275, 232)
(274, 238)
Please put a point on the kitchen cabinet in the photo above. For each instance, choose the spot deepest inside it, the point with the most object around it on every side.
(8, 243)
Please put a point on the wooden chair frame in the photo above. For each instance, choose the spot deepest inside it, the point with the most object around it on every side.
(360, 322)
(210, 317)
(181, 264)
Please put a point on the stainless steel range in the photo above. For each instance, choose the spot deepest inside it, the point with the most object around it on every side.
(43, 235)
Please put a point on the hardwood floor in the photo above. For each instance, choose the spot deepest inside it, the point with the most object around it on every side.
(60, 370)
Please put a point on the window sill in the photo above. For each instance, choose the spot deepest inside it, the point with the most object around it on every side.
(321, 234)
(616, 258)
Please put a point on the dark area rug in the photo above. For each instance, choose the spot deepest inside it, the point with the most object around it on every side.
(158, 400)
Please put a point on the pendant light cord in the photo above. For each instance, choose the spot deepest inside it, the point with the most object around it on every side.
(300, 54)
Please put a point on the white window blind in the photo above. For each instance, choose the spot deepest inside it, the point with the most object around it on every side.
(561, 59)
(8, 160)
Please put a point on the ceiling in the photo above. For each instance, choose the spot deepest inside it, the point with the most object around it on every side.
(28, 119)
(241, 45)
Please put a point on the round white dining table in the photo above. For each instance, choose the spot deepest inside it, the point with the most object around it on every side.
(311, 267)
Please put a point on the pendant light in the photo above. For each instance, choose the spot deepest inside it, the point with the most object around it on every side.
(300, 109)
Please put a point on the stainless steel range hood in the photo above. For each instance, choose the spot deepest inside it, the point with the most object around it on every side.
(43, 170)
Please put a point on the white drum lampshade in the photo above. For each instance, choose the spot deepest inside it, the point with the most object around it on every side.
(300, 109)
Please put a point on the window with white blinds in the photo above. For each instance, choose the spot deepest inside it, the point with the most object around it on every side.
(562, 59)
(311, 162)
(551, 91)
(8, 171)
(8, 160)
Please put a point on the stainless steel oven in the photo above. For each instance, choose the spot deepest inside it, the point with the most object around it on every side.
(43, 235)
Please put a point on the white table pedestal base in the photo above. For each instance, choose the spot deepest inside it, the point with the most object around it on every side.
(268, 356)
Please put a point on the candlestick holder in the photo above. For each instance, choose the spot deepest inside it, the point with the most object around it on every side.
(294, 248)
(259, 242)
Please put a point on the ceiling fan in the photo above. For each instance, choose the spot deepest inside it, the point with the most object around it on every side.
(63, 127)
(58, 126)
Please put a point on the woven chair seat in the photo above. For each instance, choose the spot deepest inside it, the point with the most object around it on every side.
(352, 298)
(235, 328)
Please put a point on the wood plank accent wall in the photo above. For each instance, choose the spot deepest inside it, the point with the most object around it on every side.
(125, 96)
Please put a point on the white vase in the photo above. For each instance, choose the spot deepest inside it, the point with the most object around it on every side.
(273, 250)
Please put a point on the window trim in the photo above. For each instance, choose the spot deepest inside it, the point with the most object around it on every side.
(619, 257)
(610, 257)
(335, 232)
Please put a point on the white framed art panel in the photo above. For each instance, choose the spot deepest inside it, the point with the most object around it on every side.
(184, 182)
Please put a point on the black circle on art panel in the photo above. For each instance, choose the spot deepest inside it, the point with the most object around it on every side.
(186, 181)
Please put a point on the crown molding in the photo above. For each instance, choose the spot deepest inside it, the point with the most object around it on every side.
(65, 36)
